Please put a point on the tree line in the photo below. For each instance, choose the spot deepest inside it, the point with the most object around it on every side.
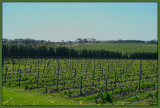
(48, 51)
(78, 40)
(26, 41)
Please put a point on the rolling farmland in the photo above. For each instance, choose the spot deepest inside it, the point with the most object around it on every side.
(91, 53)
(120, 47)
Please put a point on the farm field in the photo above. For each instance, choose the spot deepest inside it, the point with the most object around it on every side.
(120, 47)
(83, 81)
(77, 54)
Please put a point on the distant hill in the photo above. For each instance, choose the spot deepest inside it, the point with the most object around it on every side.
(120, 47)
(130, 41)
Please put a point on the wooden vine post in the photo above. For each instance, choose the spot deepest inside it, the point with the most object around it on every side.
(37, 79)
(106, 86)
(123, 70)
(140, 76)
(5, 78)
(58, 75)
(19, 77)
(108, 65)
(46, 90)
(86, 73)
(93, 74)
(111, 87)
(75, 73)
(102, 72)
(13, 62)
(69, 93)
(2, 62)
(121, 74)
(115, 79)
(96, 99)
(30, 68)
(81, 86)
(9, 81)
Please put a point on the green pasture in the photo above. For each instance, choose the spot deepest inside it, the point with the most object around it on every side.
(120, 47)
(20, 97)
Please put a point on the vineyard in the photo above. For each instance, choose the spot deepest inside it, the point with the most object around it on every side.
(78, 78)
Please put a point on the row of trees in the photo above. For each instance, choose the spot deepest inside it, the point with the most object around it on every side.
(78, 40)
(144, 55)
(43, 51)
(86, 40)
(25, 41)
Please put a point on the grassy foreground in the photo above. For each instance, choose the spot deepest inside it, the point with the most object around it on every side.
(19, 96)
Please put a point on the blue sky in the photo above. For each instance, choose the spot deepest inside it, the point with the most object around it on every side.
(69, 21)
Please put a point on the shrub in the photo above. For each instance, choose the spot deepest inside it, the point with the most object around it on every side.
(65, 92)
(107, 97)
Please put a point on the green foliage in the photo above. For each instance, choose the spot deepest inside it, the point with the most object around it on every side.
(91, 88)
(116, 91)
(107, 97)
(65, 92)
(26, 87)
(133, 99)
(156, 94)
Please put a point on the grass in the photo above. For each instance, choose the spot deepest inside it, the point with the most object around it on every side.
(19, 96)
(120, 47)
